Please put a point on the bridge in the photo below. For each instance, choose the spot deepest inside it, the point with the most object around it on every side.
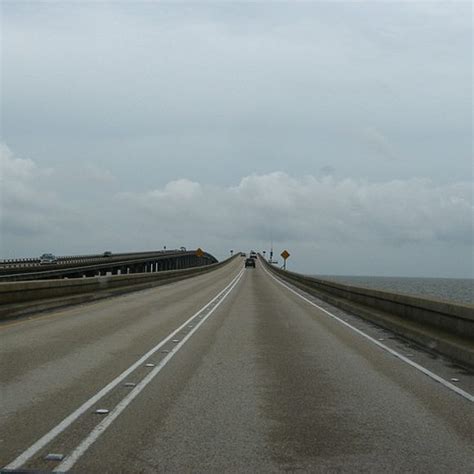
(137, 365)
(77, 266)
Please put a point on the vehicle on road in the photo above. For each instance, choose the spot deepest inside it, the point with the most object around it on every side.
(243, 254)
(250, 262)
(107, 253)
(253, 255)
(48, 258)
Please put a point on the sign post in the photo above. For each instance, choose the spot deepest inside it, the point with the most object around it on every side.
(285, 254)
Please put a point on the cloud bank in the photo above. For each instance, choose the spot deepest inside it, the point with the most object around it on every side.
(309, 209)
(301, 211)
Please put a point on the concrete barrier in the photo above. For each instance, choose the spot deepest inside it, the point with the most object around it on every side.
(440, 326)
(25, 297)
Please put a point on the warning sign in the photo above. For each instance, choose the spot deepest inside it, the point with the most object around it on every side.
(285, 254)
(199, 252)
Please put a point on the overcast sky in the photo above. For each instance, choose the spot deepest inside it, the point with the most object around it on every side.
(341, 130)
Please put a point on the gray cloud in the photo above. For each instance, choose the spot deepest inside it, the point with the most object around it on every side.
(301, 210)
(138, 125)
(379, 143)
(309, 209)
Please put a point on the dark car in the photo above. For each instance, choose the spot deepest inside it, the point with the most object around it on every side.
(250, 262)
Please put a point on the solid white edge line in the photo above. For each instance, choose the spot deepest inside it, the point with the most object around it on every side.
(419, 367)
(76, 454)
(59, 428)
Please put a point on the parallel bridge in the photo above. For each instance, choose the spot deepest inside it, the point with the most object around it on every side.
(98, 265)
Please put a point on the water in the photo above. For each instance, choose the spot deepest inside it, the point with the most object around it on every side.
(457, 290)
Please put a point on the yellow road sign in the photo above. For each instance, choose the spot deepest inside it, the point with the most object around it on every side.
(199, 252)
(285, 254)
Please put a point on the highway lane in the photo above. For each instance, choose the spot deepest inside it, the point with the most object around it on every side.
(50, 364)
(266, 383)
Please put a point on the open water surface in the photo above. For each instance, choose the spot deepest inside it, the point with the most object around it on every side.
(457, 290)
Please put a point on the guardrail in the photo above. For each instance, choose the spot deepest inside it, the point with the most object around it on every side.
(440, 326)
(24, 297)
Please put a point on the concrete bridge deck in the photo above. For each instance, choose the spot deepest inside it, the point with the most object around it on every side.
(249, 375)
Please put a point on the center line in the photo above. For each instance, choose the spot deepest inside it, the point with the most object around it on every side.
(113, 415)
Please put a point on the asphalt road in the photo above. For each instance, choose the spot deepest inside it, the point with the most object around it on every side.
(258, 381)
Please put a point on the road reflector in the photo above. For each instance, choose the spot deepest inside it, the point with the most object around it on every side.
(149, 365)
(102, 411)
(54, 457)
(454, 380)
(175, 340)
(130, 384)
